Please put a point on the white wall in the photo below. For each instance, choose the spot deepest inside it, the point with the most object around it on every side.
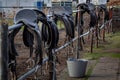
(27, 2)
(9, 2)
(82, 1)
(48, 3)
(102, 1)
(98, 2)
(15, 3)
(95, 2)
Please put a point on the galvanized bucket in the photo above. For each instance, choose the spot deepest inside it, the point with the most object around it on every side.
(76, 67)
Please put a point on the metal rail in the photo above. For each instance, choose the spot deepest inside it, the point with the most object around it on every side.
(33, 70)
(15, 26)
(75, 11)
(109, 21)
(68, 43)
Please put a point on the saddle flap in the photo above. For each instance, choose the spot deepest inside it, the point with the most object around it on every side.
(28, 37)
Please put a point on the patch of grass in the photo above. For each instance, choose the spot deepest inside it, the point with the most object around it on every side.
(97, 55)
(115, 41)
(101, 47)
(92, 56)
(113, 55)
(60, 24)
(89, 72)
(10, 22)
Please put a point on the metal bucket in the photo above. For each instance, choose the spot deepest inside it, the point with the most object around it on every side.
(76, 67)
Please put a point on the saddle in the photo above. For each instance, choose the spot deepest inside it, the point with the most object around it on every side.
(104, 8)
(49, 30)
(64, 14)
(28, 18)
(90, 9)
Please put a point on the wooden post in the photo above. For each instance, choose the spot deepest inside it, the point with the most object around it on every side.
(79, 45)
(111, 27)
(103, 36)
(4, 51)
(97, 28)
(80, 31)
(96, 34)
(51, 65)
(91, 42)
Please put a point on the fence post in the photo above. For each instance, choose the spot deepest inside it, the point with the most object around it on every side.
(79, 44)
(50, 63)
(4, 51)
(91, 42)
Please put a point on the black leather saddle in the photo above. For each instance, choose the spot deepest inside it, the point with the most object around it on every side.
(103, 7)
(90, 9)
(49, 30)
(64, 14)
(30, 32)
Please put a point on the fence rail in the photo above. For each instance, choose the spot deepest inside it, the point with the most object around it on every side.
(15, 26)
